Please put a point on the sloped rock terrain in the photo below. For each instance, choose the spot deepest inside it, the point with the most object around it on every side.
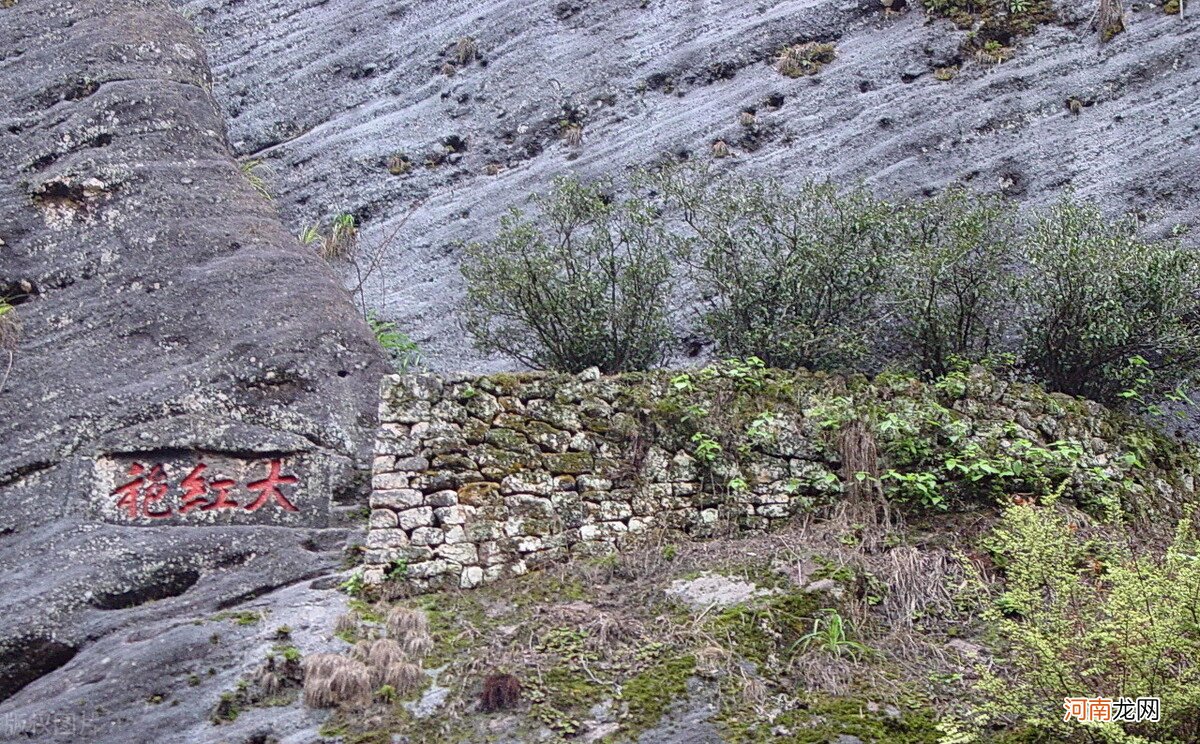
(327, 93)
(166, 305)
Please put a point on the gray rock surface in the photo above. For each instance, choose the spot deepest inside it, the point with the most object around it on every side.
(164, 310)
(327, 92)
(711, 590)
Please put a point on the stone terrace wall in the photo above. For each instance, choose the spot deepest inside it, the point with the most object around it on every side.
(480, 478)
(476, 479)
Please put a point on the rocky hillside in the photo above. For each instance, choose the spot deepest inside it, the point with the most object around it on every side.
(189, 411)
(335, 96)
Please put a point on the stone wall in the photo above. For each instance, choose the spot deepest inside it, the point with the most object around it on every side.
(476, 479)
(480, 478)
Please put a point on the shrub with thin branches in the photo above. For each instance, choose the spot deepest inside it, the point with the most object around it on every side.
(1097, 295)
(951, 294)
(789, 275)
(582, 283)
(1082, 612)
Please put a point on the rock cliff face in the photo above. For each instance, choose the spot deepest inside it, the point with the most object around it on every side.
(170, 319)
(327, 94)
(167, 320)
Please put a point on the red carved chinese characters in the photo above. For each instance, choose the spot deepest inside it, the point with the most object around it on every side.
(137, 496)
(144, 494)
(195, 492)
(269, 488)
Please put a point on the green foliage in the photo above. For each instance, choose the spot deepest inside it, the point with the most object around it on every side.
(789, 275)
(10, 327)
(339, 240)
(649, 693)
(1143, 385)
(706, 449)
(403, 352)
(355, 586)
(803, 59)
(828, 634)
(1092, 614)
(1098, 296)
(950, 291)
(583, 283)
(920, 488)
(397, 570)
(251, 170)
(387, 694)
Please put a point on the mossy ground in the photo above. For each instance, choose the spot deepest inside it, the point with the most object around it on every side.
(873, 622)
(602, 634)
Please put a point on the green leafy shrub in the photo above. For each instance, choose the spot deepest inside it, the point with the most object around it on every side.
(1098, 295)
(402, 351)
(1083, 615)
(789, 275)
(583, 283)
(950, 291)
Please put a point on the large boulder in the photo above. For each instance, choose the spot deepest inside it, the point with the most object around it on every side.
(168, 322)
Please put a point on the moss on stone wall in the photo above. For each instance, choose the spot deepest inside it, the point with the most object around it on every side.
(479, 479)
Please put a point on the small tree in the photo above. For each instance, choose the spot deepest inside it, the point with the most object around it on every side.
(789, 276)
(951, 291)
(582, 283)
(1098, 296)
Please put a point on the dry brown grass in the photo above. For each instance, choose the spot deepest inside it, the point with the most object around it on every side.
(267, 679)
(403, 676)
(803, 59)
(334, 680)
(402, 621)
(346, 623)
(417, 645)
(720, 149)
(1110, 18)
(466, 49)
(572, 134)
(379, 652)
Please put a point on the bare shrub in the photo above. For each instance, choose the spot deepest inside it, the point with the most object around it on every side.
(500, 692)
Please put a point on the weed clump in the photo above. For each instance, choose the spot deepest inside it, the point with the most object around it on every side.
(332, 680)
(807, 58)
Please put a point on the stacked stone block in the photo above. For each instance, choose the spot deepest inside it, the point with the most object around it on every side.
(476, 479)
